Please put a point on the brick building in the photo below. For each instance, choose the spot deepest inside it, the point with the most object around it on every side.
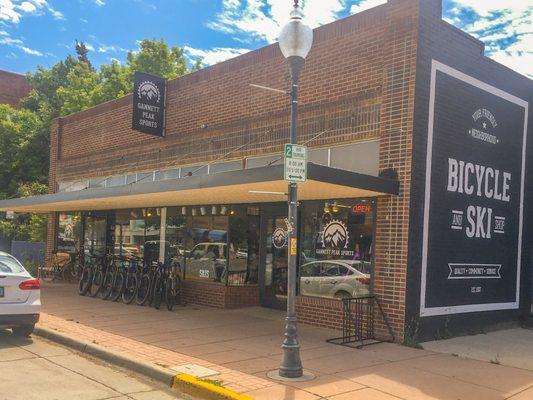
(395, 105)
(13, 87)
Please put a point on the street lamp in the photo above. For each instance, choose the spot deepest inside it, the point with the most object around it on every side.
(295, 41)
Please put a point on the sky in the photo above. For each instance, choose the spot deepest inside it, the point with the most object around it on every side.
(43, 32)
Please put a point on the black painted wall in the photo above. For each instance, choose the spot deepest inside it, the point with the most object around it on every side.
(440, 41)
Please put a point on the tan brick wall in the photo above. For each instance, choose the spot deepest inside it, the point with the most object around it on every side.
(13, 87)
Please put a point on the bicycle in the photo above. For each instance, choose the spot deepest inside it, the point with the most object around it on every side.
(99, 272)
(145, 287)
(58, 268)
(173, 288)
(110, 274)
(119, 278)
(86, 276)
(131, 281)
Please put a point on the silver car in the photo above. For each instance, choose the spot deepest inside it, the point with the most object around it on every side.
(338, 279)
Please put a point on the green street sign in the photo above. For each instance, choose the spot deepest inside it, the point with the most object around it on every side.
(295, 163)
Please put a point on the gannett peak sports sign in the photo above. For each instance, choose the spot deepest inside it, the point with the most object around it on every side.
(149, 104)
(474, 194)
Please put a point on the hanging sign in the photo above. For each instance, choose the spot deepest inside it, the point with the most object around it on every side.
(295, 163)
(474, 196)
(149, 103)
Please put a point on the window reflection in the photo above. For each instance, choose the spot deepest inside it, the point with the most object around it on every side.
(336, 254)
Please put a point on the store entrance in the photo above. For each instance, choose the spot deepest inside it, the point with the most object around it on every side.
(273, 271)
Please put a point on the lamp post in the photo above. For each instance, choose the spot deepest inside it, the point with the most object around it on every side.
(295, 41)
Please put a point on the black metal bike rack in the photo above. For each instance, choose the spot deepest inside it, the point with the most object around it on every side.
(358, 323)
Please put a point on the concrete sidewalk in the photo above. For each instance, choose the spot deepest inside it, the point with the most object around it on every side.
(242, 345)
(511, 347)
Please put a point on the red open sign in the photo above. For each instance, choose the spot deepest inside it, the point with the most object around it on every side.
(362, 208)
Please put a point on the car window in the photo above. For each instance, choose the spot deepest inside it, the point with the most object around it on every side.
(309, 270)
(331, 271)
(363, 267)
(344, 271)
(198, 252)
(10, 265)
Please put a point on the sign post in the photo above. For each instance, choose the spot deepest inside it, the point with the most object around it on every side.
(295, 163)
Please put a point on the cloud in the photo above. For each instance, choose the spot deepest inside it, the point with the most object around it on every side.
(365, 5)
(7, 40)
(261, 20)
(504, 26)
(99, 3)
(105, 48)
(214, 55)
(13, 11)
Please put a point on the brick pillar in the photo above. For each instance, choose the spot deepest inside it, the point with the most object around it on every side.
(51, 230)
(396, 131)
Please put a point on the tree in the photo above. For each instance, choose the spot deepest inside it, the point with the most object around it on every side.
(83, 89)
(21, 155)
(155, 57)
(82, 51)
(115, 81)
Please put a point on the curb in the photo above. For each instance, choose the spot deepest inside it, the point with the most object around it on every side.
(150, 370)
(196, 387)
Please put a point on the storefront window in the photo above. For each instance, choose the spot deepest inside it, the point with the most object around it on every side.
(137, 233)
(69, 233)
(243, 262)
(95, 233)
(196, 241)
(337, 246)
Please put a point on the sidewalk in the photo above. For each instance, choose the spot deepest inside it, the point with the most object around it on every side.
(242, 345)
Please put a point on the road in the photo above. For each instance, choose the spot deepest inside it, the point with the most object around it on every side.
(37, 369)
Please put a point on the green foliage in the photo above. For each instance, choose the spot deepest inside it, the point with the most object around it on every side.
(157, 58)
(410, 338)
(69, 86)
(82, 91)
(23, 149)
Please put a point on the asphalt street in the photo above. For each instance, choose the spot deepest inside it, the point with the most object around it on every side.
(37, 369)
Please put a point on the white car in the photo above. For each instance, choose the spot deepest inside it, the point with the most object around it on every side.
(338, 279)
(20, 297)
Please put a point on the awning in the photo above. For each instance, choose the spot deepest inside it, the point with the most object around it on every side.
(255, 185)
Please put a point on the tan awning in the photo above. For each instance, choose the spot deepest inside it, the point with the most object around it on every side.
(231, 187)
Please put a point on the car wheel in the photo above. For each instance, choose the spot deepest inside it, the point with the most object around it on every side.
(23, 330)
(340, 295)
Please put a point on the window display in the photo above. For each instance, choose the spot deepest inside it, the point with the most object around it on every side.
(336, 248)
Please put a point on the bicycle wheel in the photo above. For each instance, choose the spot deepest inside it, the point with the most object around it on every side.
(130, 288)
(98, 281)
(117, 287)
(143, 290)
(170, 296)
(74, 271)
(85, 281)
(158, 292)
(107, 287)
(46, 273)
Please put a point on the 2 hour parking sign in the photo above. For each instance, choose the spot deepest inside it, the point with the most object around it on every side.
(295, 163)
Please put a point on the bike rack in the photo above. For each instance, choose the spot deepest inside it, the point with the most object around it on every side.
(358, 323)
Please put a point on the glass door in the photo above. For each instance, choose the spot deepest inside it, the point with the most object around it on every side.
(273, 276)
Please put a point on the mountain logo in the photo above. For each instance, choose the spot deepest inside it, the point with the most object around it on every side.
(335, 235)
(279, 238)
(150, 91)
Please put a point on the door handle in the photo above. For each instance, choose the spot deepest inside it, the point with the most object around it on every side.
(333, 282)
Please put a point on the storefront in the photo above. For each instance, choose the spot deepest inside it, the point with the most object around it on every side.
(417, 190)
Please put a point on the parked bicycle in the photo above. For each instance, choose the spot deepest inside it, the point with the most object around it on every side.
(99, 271)
(58, 269)
(86, 276)
(133, 271)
